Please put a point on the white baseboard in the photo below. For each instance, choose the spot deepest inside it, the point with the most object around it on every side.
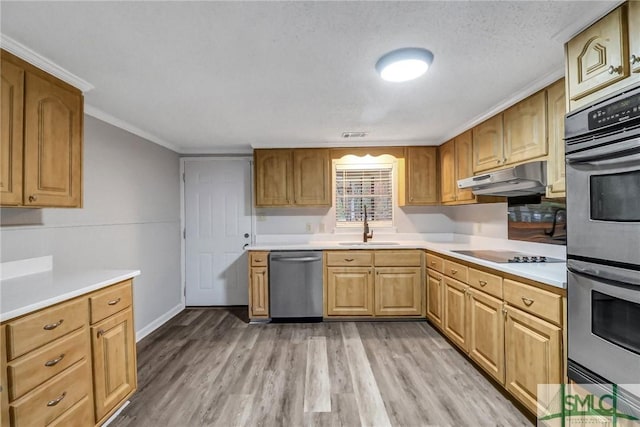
(159, 322)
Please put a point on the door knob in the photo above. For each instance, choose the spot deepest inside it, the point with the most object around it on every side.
(246, 235)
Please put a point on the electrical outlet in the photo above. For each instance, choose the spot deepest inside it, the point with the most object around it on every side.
(308, 227)
(478, 227)
(261, 218)
(321, 227)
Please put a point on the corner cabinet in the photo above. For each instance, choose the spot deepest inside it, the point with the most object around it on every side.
(421, 177)
(292, 177)
(42, 119)
(73, 363)
(605, 57)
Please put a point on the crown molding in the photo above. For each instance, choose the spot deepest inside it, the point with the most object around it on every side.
(45, 64)
(599, 11)
(217, 151)
(108, 118)
(528, 90)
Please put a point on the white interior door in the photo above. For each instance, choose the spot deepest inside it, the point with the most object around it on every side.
(218, 224)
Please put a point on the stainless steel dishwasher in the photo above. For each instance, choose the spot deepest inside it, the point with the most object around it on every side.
(295, 285)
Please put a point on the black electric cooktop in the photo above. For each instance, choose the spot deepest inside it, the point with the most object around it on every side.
(504, 257)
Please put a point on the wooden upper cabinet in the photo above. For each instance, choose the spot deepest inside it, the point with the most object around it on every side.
(41, 155)
(285, 177)
(556, 164)
(448, 175)
(525, 129)
(421, 176)
(272, 174)
(634, 36)
(52, 144)
(488, 144)
(464, 164)
(311, 177)
(597, 58)
(12, 92)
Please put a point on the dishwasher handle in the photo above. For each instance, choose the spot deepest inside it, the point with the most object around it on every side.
(296, 259)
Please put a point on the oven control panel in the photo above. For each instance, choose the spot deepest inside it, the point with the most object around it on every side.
(616, 112)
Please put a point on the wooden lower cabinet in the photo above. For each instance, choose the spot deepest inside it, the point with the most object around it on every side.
(486, 333)
(259, 292)
(533, 353)
(434, 297)
(398, 291)
(349, 291)
(454, 319)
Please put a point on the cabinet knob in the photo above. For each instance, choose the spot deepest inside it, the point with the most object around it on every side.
(52, 326)
(453, 271)
(33, 198)
(482, 283)
(101, 332)
(615, 70)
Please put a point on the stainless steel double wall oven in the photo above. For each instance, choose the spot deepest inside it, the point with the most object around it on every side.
(603, 241)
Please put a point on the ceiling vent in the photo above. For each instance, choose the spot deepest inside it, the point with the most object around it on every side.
(354, 134)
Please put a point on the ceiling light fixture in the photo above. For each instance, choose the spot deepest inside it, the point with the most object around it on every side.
(404, 64)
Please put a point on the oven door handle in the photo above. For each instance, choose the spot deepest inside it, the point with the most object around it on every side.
(607, 272)
(625, 151)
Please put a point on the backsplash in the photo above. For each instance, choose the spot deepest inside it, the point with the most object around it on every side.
(543, 222)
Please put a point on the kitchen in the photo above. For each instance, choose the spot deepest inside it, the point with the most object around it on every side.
(136, 206)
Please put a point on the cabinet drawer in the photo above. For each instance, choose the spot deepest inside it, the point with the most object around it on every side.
(486, 282)
(536, 301)
(79, 415)
(110, 301)
(259, 259)
(47, 402)
(38, 366)
(435, 263)
(457, 271)
(44, 326)
(346, 258)
(397, 258)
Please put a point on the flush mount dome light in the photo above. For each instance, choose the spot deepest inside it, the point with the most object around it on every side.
(404, 64)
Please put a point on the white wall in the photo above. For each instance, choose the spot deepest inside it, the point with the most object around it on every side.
(130, 220)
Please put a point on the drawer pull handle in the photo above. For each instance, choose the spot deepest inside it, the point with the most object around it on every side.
(57, 400)
(482, 283)
(453, 271)
(100, 332)
(527, 301)
(52, 326)
(55, 361)
(348, 259)
(114, 301)
(258, 260)
(433, 263)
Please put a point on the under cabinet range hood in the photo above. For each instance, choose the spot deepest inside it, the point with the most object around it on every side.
(522, 180)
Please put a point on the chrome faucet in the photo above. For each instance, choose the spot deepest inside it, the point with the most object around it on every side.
(366, 235)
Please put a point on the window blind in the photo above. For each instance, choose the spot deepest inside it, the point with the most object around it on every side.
(359, 186)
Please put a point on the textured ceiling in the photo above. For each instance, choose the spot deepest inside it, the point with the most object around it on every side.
(225, 76)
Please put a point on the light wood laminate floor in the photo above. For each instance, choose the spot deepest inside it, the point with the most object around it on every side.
(208, 367)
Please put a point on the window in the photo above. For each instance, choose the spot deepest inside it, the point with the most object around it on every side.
(360, 185)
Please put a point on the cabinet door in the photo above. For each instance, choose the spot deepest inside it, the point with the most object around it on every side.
(464, 164)
(486, 333)
(598, 57)
(533, 355)
(434, 297)
(311, 177)
(421, 176)
(634, 36)
(272, 172)
(488, 144)
(259, 292)
(398, 291)
(454, 320)
(349, 291)
(114, 361)
(12, 92)
(448, 185)
(525, 129)
(556, 165)
(52, 144)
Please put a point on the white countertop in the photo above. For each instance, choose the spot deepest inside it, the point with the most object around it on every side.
(553, 274)
(22, 295)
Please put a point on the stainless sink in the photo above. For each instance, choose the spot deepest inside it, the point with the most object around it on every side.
(368, 243)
